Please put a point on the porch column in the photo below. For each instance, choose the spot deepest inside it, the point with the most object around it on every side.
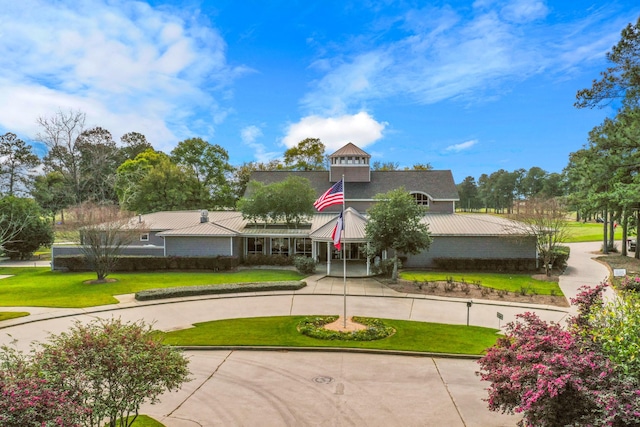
(368, 261)
(328, 258)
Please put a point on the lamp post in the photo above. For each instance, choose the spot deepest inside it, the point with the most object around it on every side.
(469, 304)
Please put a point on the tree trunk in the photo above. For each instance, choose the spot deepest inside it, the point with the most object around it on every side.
(605, 247)
(636, 254)
(612, 231)
(624, 225)
(394, 274)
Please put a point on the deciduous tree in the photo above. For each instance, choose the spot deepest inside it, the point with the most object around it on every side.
(396, 222)
(308, 155)
(209, 164)
(60, 134)
(290, 201)
(105, 231)
(546, 221)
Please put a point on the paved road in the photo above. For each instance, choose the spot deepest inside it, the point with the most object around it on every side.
(290, 388)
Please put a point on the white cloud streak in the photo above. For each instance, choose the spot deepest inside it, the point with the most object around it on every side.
(456, 148)
(442, 55)
(250, 135)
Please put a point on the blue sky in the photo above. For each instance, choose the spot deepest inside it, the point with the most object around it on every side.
(471, 86)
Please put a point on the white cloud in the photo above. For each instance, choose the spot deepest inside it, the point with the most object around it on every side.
(129, 66)
(525, 10)
(334, 132)
(249, 135)
(462, 146)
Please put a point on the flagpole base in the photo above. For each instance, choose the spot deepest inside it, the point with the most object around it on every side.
(345, 326)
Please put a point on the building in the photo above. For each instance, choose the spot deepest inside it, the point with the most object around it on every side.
(203, 233)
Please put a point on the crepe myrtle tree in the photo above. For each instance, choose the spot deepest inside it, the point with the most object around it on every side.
(28, 400)
(105, 231)
(396, 222)
(95, 374)
(579, 374)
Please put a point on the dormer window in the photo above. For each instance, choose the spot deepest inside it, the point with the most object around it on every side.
(421, 199)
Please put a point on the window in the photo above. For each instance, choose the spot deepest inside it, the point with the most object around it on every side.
(144, 237)
(255, 245)
(280, 246)
(303, 246)
(421, 199)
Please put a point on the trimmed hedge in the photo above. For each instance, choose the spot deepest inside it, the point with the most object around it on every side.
(485, 264)
(261, 259)
(227, 288)
(152, 263)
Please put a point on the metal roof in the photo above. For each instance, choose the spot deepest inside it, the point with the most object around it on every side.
(354, 227)
(203, 229)
(472, 225)
(230, 223)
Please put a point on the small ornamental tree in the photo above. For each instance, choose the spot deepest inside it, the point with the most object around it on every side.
(111, 368)
(559, 376)
(395, 222)
(105, 231)
(26, 400)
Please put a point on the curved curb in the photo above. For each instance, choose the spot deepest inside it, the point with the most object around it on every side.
(330, 349)
(139, 304)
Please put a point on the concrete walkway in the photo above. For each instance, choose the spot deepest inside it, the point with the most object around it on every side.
(283, 388)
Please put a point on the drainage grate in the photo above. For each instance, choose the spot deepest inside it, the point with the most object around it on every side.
(323, 380)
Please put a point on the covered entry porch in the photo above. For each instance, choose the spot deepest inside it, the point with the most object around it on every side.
(353, 251)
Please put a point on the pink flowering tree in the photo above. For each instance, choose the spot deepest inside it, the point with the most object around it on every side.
(112, 368)
(560, 376)
(26, 400)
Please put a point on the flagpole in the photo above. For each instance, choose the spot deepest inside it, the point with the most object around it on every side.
(344, 258)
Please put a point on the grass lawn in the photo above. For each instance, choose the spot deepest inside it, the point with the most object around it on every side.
(588, 232)
(41, 287)
(282, 331)
(6, 315)
(146, 421)
(498, 281)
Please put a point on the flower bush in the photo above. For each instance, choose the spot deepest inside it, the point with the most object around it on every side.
(314, 327)
(565, 376)
(630, 284)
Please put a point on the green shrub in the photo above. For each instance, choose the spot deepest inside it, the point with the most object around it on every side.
(261, 259)
(385, 267)
(305, 265)
(314, 327)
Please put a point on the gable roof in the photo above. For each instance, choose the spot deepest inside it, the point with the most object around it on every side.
(438, 184)
(354, 227)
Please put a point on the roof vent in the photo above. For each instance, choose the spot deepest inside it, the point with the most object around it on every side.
(204, 216)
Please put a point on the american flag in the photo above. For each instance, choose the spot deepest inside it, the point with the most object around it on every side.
(333, 196)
